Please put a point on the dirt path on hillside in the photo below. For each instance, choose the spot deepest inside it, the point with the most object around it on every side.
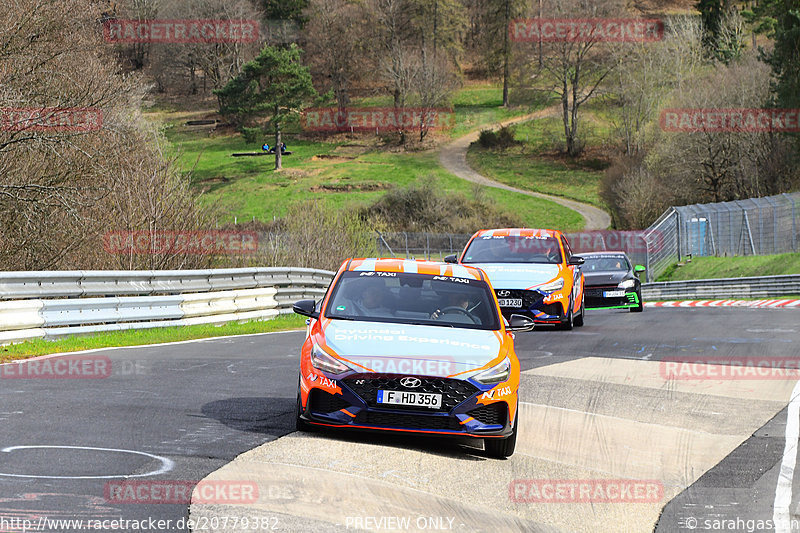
(453, 157)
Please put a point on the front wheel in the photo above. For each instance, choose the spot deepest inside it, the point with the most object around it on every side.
(579, 319)
(639, 308)
(502, 448)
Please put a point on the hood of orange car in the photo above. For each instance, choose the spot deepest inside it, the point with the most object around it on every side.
(518, 275)
(412, 349)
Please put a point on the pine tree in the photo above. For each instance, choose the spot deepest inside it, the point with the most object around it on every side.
(271, 86)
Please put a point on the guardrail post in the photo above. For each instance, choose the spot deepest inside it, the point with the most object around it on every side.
(678, 232)
(794, 223)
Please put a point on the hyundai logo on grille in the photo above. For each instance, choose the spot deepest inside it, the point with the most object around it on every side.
(504, 293)
(411, 383)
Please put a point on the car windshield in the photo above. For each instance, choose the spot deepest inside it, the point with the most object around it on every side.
(413, 299)
(513, 249)
(605, 263)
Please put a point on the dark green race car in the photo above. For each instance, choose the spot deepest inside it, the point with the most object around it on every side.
(611, 281)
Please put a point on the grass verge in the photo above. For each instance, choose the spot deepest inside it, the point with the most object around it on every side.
(734, 267)
(143, 337)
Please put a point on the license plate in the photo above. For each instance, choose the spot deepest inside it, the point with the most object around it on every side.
(614, 294)
(510, 302)
(417, 399)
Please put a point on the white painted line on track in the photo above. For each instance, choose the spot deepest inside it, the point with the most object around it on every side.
(166, 464)
(783, 490)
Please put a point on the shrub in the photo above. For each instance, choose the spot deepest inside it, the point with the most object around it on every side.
(502, 138)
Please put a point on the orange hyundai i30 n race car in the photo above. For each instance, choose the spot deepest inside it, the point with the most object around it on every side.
(533, 271)
(411, 346)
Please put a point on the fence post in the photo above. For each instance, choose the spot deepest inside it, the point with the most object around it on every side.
(678, 232)
(774, 224)
(794, 223)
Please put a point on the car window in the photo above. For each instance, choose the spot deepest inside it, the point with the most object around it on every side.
(413, 299)
(606, 263)
(513, 249)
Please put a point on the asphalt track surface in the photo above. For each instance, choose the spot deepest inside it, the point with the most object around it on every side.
(594, 405)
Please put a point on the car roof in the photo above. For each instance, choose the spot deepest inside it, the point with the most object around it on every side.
(517, 232)
(601, 253)
(413, 266)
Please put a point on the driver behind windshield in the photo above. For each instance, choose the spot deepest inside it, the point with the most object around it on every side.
(366, 298)
(514, 249)
(455, 299)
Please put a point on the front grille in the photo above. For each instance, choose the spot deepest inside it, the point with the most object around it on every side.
(597, 290)
(453, 391)
(490, 414)
(529, 298)
(408, 421)
(323, 402)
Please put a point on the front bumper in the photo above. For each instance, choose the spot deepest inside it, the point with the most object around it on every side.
(461, 412)
(535, 307)
(595, 298)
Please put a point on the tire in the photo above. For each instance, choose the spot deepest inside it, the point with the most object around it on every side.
(640, 307)
(579, 319)
(299, 423)
(503, 448)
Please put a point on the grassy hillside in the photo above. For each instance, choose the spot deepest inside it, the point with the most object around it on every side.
(533, 165)
(343, 171)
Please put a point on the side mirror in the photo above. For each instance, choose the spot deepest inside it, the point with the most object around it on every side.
(576, 260)
(639, 268)
(520, 323)
(306, 308)
(452, 258)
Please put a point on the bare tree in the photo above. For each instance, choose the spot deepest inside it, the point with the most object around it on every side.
(574, 69)
(201, 67)
(336, 45)
(646, 73)
(714, 165)
(62, 187)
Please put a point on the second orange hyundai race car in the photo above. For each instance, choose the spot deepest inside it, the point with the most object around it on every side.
(411, 346)
(533, 271)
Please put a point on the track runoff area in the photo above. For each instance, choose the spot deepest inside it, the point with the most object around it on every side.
(675, 419)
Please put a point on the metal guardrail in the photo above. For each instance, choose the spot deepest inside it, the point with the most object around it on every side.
(58, 304)
(716, 289)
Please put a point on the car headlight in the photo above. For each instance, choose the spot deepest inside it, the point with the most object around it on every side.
(497, 374)
(555, 285)
(321, 360)
(627, 284)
